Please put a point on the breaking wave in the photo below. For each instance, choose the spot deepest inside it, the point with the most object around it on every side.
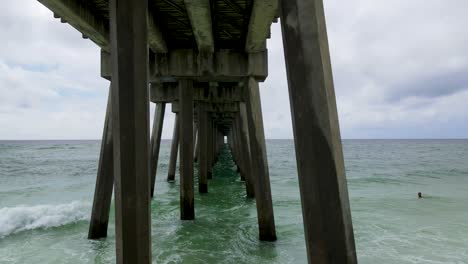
(21, 218)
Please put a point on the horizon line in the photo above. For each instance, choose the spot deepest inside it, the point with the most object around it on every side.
(429, 138)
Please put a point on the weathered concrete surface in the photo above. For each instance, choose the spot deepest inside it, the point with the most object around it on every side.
(244, 137)
(203, 149)
(200, 18)
(325, 203)
(227, 65)
(130, 125)
(209, 150)
(266, 219)
(81, 19)
(156, 141)
(187, 209)
(156, 41)
(263, 14)
(105, 180)
(196, 140)
(174, 149)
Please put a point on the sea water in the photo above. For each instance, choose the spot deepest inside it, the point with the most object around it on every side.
(46, 191)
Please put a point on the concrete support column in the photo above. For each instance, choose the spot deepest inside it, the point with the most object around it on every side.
(220, 141)
(187, 209)
(244, 138)
(266, 219)
(325, 203)
(237, 148)
(104, 181)
(210, 148)
(215, 153)
(130, 125)
(195, 139)
(174, 149)
(156, 141)
(203, 151)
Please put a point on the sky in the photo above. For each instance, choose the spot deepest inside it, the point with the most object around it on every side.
(400, 70)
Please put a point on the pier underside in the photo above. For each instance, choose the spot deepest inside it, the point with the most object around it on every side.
(206, 59)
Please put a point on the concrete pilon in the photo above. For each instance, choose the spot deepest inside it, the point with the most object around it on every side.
(244, 138)
(187, 209)
(156, 141)
(195, 139)
(266, 219)
(325, 203)
(105, 180)
(130, 126)
(174, 149)
(210, 149)
(238, 149)
(203, 149)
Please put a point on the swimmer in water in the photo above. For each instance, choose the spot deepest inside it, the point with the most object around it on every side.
(419, 195)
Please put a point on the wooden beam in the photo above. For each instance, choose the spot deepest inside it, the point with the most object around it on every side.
(81, 19)
(130, 124)
(322, 178)
(200, 18)
(261, 18)
(156, 141)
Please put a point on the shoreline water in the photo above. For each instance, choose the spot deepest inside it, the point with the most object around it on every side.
(46, 194)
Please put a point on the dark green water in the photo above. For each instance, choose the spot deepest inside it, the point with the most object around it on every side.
(46, 189)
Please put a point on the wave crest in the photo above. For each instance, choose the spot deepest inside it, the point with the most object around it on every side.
(20, 218)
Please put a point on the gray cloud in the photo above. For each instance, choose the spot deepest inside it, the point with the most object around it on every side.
(400, 70)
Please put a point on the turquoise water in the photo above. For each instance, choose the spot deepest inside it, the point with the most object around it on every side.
(46, 189)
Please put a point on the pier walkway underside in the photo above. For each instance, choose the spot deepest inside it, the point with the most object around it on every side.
(206, 58)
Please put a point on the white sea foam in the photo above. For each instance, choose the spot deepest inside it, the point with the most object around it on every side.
(20, 218)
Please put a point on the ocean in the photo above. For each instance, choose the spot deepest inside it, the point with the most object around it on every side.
(46, 191)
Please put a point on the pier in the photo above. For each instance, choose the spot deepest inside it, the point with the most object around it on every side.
(205, 59)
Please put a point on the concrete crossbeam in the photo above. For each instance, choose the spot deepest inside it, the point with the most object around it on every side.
(214, 108)
(200, 18)
(263, 14)
(227, 65)
(222, 94)
(155, 38)
(73, 13)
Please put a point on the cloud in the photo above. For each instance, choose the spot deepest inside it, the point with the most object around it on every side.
(400, 70)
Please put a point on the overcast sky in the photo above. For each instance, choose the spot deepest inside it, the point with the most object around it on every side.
(400, 69)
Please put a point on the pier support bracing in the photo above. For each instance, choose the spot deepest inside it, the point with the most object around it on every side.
(238, 149)
(130, 125)
(266, 219)
(244, 138)
(210, 148)
(203, 149)
(104, 181)
(195, 139)
(325, 203)
(174, 149)
(187, 210)
(156, 141)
